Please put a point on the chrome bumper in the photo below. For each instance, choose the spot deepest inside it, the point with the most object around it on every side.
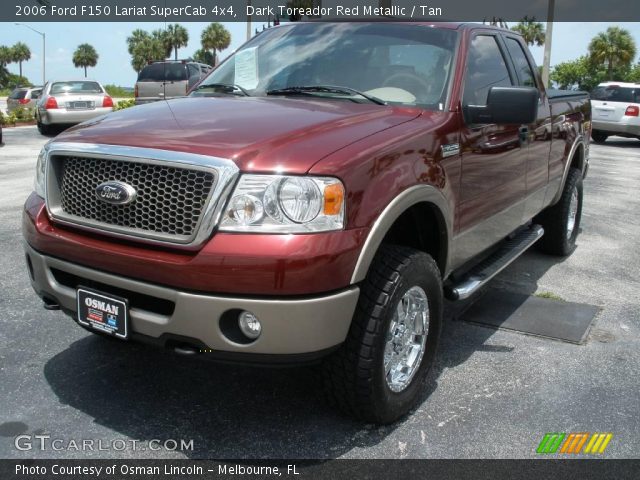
(289, 326)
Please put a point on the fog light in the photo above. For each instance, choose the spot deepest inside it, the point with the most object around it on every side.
(249, 325)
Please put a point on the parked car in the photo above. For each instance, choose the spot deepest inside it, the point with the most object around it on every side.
(68, 102)
(25, 97)
(315, 209)
(168, 79)
(616, 110)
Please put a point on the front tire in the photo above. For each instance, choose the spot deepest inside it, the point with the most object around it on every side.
(379, 372)
(561, 222)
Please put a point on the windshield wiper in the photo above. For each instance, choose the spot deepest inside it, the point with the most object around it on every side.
(311, 89)
(226, 87)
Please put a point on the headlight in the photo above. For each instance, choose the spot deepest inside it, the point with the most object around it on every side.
(285, 204)
(41, 168)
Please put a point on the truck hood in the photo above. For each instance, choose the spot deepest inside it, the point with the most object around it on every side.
(287, 135)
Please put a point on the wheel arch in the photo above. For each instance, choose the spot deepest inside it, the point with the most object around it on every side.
(396, 224)
(578, 158)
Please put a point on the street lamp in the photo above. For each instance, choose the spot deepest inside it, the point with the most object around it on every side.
(44, 76)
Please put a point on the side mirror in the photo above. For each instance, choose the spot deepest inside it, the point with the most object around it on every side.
(506, 105)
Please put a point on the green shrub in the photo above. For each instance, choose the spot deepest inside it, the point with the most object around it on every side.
(23, 115)
(122, 104)
(116, 91)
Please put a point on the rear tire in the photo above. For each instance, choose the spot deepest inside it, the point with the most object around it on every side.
(44, 129)
(561, 222)
(379, 372)
(599, 137)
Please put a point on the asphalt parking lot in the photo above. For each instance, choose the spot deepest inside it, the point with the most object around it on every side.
(494, 394)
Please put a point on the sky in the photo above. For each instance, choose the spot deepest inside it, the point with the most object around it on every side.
(570, 40)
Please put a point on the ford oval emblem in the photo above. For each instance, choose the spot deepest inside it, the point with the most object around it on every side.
(116, 193)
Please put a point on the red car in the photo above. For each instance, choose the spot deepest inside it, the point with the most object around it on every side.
(314, 199)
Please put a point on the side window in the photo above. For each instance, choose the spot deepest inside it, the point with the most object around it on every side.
(193, 71)
(527, 78)
(486, 68)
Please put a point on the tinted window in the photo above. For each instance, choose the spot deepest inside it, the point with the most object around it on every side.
(486, 68)
(527, 79)
(193, 71)
(36, 93)
(18, 94)
(615, 93)
(75, 87)
(159, 72)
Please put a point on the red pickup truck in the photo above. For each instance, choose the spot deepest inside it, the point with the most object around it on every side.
(314, 198)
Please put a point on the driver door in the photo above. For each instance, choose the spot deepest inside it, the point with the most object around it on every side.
(494, 158)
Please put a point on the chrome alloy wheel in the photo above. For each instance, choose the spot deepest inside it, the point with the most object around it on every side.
(406, 339)
(573, 212)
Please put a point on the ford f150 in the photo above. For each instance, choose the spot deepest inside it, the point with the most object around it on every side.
(314, 199)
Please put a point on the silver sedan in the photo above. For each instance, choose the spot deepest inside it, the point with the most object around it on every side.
(68, 102)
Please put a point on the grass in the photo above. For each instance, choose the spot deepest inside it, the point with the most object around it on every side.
(119, 92)
(550, 296)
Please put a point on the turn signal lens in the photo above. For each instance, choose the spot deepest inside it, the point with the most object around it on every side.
(333, 199)
(632, 111)
(51, 103)
(107, 101)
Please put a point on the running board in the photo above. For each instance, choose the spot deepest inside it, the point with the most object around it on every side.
(495, 263)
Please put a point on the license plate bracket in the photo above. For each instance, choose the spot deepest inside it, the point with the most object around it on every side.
(104, 312)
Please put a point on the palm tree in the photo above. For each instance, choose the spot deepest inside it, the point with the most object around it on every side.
(137, 36)
(176, 37)
(147, 51)
(203, 56)
(21, 53)
(532, 32)
(6, 56)
(215, 38)
(85, 56)
(613, 48)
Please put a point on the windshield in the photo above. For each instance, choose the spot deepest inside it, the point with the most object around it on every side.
(397, 63)
(75, 87)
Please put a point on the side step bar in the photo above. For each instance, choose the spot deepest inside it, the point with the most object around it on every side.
(495, 263)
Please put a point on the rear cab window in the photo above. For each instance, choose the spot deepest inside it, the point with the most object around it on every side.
(18, 94)
(78, 87)
(161, 72)
(616, 93)
(526, 78)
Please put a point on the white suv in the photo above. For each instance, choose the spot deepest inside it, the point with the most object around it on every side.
(615, 110)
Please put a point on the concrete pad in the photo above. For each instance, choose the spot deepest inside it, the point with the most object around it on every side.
(566, 321)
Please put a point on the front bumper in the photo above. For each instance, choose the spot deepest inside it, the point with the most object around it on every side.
(290, 326)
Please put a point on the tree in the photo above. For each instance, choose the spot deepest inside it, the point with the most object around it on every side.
(570, 74)
(20, 53)
(6, 56)
(145, 52)
(613, 49)
(85, 56)
(203, 56)
(532, 32)
(215, 38)
(176, 37)
(137, 36)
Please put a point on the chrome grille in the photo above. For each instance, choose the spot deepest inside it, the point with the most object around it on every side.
(170, 200)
